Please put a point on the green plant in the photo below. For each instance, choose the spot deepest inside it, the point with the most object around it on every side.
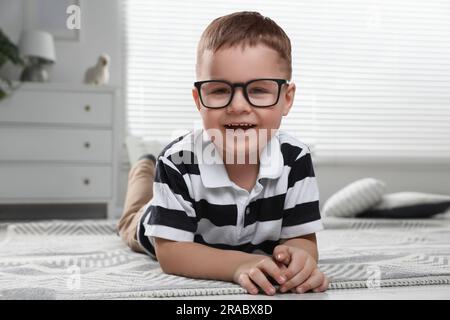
(8, 52)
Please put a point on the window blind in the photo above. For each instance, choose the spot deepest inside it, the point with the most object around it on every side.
(373, 77)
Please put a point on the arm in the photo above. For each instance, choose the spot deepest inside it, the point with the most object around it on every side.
(195, 260)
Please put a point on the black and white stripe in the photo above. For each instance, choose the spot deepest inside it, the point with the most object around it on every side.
(197, 202)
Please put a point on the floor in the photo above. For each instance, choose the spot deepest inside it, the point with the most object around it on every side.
(430, 292)
(30, 248)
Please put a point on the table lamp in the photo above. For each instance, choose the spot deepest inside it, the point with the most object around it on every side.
(38, 49)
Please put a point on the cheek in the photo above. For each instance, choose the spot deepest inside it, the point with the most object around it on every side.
(210, 118)
(270, 118)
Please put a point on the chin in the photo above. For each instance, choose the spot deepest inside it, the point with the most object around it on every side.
(241, 153)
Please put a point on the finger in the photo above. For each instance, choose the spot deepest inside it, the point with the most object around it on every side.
(282, 266)
(298, 260)
(314, 281)
(300, 277)
(283, 269)
(324, 285)
(281, 254)
(272, 269)
(259, 278)
(245, 282)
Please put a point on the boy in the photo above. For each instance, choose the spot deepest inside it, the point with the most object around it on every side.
(238, 200)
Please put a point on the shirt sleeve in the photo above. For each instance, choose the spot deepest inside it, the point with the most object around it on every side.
(172, 215)
(301, 214)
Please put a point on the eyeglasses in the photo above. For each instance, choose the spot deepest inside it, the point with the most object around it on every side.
(260, 93)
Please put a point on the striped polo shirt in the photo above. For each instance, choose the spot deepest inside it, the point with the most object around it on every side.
(195, 201)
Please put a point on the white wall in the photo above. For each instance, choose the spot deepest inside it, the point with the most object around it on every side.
(100, 32)
(11, 15)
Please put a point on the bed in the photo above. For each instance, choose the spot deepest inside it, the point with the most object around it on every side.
(86, 259)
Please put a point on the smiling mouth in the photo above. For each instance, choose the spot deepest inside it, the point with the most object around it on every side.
(243, 126)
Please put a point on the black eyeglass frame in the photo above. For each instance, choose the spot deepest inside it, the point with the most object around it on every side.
(244, 86)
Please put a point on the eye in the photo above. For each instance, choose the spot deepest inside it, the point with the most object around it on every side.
(220, 91)
(216, 89)
(258, 90)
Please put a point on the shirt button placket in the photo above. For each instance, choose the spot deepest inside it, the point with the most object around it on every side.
(246, 213)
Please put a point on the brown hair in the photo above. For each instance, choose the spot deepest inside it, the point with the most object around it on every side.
(245, 28)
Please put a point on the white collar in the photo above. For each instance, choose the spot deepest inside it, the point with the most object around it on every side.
(212, 169)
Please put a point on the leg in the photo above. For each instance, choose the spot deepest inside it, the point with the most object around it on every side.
(139, 192)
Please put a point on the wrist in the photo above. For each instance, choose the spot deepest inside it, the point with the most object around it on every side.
(303, 245)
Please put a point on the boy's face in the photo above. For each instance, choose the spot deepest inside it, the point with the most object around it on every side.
(240, 65)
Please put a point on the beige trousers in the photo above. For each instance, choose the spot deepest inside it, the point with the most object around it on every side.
(139, 192)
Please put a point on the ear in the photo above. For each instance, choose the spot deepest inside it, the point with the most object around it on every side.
(289, 95)
(196, 98)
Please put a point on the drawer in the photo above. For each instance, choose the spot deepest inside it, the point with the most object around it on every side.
(28, 106)
(42, 182)
(54, 144)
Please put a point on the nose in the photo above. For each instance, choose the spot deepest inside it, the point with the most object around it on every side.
(239, 103)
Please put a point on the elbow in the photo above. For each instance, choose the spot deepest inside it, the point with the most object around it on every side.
(164, 255)
(165, 265)
(167, 268)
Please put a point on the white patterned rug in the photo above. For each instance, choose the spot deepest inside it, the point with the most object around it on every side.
(87, 260)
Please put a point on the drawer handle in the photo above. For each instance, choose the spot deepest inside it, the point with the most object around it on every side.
(87, 145)
(86, 181)
(87, 108)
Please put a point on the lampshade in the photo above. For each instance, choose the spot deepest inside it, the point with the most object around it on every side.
(39, 44)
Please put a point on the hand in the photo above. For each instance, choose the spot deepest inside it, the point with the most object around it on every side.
(251, 275)
(302, 272)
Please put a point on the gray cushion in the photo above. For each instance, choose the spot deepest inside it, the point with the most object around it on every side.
(408, 205)
(355, 198)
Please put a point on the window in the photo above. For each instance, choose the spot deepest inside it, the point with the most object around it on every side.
(373, 77)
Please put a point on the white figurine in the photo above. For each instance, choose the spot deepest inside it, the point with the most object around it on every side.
(98, 74)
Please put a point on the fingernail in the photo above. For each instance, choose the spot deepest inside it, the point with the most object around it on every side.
(300, 290)
(271, 290)
(282, 290)
(280, 256)
(281, 279)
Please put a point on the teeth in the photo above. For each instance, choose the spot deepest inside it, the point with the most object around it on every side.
(239, 125)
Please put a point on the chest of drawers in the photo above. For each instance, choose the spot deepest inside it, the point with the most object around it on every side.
(58, 145)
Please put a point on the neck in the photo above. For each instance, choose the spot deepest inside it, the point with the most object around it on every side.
(244, 175)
